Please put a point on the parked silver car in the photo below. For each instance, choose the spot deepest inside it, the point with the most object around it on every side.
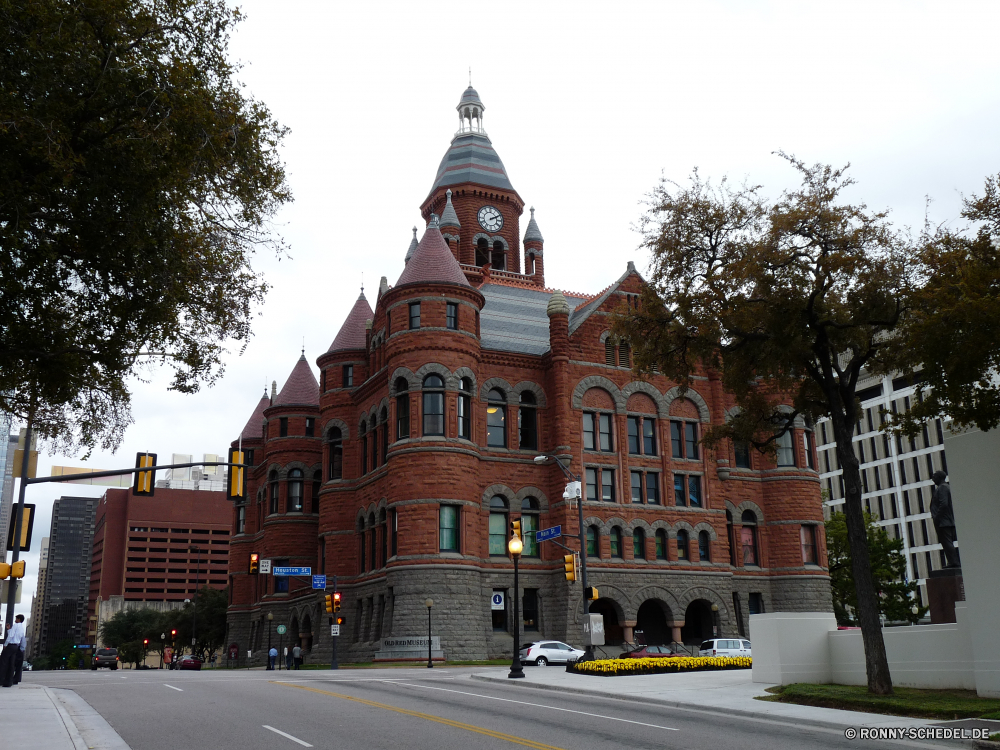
(725, 647)
(544, 653)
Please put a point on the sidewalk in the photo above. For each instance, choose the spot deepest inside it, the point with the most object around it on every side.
(41, 718)
(732, 692)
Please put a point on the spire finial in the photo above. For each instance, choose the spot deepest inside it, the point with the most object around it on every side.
(470, 75)
(303, 346)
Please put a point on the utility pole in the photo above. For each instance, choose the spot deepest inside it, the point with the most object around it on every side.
(18, 513)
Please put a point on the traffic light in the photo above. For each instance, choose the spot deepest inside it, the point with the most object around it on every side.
(336, 601)
(144, 480)
(237, 476)
(340, 620)
(145, 642)
(329, 603)
(515, 528)
(254, 563)
(173, 634)
(4, 570)
(571, 563)
(17, 569)
(591, 593)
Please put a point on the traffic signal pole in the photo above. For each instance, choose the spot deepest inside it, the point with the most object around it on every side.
(333, 661)
(18, 513)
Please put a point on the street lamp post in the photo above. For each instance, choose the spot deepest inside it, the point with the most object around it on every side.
(514, 546)
(429, 603)
(270, 620)
(163, 646)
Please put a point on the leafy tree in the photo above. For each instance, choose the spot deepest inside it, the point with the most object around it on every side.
(59, 654)
(896, 597)
(138, 180)
(212, 606)
(788, 301)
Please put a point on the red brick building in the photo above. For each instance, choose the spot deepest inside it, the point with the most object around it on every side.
(400, 469)
(143, 546)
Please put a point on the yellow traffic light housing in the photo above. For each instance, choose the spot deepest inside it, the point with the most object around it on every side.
(336, 601)
(4, 570)
(17, 569)
(329, 603)
(145, 481)
(591, 593)
(569, 564)
(254, 563)
(237, 476)
(515, 528)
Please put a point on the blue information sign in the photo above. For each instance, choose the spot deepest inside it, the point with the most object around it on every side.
(291, 571)
(545, 534)
(319, 582)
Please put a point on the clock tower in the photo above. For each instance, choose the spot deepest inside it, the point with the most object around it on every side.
(479, 209)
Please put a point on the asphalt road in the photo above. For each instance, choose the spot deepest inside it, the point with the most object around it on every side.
(441, 709)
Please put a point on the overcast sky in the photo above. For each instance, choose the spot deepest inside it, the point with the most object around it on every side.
(587, 104)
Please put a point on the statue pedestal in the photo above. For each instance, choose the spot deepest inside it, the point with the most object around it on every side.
(944, 588)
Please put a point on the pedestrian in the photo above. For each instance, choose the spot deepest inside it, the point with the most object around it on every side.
(297, 656)
(288, 658)
(272, 655)
(12, 657)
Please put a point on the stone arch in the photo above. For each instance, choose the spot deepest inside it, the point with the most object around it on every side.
(660, 524)
(463, 372)
(799, 423)
(543, 501)
(305, 630)
(501, 240)
(360, 518)
(403, 372)
(533, 388)
(681, 525)
(498, 489)
(614, 617)
(598, 381)
(345, 431)
(431, 368)
(693, 396)
(482, 236)
(663, 595)
(705, 526)
(639, 523)
(382, 505)
(751, 506)
(605, 336)
(506, 388)
(599, 523)
(383, 404)
(652, 623)
(639, 386)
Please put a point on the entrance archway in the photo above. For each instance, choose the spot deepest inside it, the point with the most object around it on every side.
(305, 634)
(652, 621)
(614, 635)
(697, 622)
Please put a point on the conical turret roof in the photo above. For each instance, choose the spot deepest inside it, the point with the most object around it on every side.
(255, 425)
(448, 217)
(352, 334)
(412, 247)
(301, 386)
(533, 232)
(432, 261)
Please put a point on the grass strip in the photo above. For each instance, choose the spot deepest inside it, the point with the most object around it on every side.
(915, 702)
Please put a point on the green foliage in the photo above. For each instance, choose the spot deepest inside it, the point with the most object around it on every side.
(75, 660)
(896, 597)
(59, 654)
(138, 180)
(927, 704)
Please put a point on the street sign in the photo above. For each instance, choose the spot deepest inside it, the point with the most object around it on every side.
(281, 630)
(497, 601)
(286, 570)
(334, 630)
(265, 567)
(545, 534)
(319, 582)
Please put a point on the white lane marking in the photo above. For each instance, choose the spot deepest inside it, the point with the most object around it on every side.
(173, 688)
(123, 677)
(539, 705)
(285, 734)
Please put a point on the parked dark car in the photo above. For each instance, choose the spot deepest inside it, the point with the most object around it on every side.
(189, 662)
(649, 652)
(105, 657)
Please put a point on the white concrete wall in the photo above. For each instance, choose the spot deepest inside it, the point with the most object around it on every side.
(807, 647)
(791, 646)
(974, 475)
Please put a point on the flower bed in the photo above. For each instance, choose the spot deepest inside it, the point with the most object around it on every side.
(621, 667)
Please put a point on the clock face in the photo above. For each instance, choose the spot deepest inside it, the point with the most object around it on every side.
(490, 219)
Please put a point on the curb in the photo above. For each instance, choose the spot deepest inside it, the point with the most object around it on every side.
(87, 729)
(74, 734)
(696, 707)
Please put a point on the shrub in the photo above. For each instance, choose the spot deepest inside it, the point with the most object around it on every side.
(622, 667)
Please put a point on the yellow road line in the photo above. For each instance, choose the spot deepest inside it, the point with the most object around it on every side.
(429, 717)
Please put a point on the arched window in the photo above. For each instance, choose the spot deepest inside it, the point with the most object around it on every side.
(498, 525)
(498, 259)
(273, 482)
(373, 443)
(527, 422)
(529, 265)
(402, 409)
(482, 252)
(592, 549)
(661, 544)
(361, 544)
(317, 483)
(433, 405)
(295, 491)
(623, 360)
(363, 439)
(496, 419)
(465, 409)
(731, 538)
(748, 538)
(384, 419)
(529, 525)
(703, 549)
(786, 451)
(616, 542)
(609, 352)
(385, 536)
(373, 546)
(335, 438)
(682, 545)
(639, 544)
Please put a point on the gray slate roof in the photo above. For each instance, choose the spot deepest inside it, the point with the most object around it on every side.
(471, 158)
(515, 319)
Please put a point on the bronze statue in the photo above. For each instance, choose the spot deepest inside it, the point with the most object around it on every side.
(943, 516)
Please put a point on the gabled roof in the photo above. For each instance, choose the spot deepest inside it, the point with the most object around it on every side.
(432, 261)
(300, 388)
(255, 425)
(352, 333)
(583, 312)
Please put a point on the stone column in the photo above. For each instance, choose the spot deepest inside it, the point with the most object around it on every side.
(675, 630)
(628, 628)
